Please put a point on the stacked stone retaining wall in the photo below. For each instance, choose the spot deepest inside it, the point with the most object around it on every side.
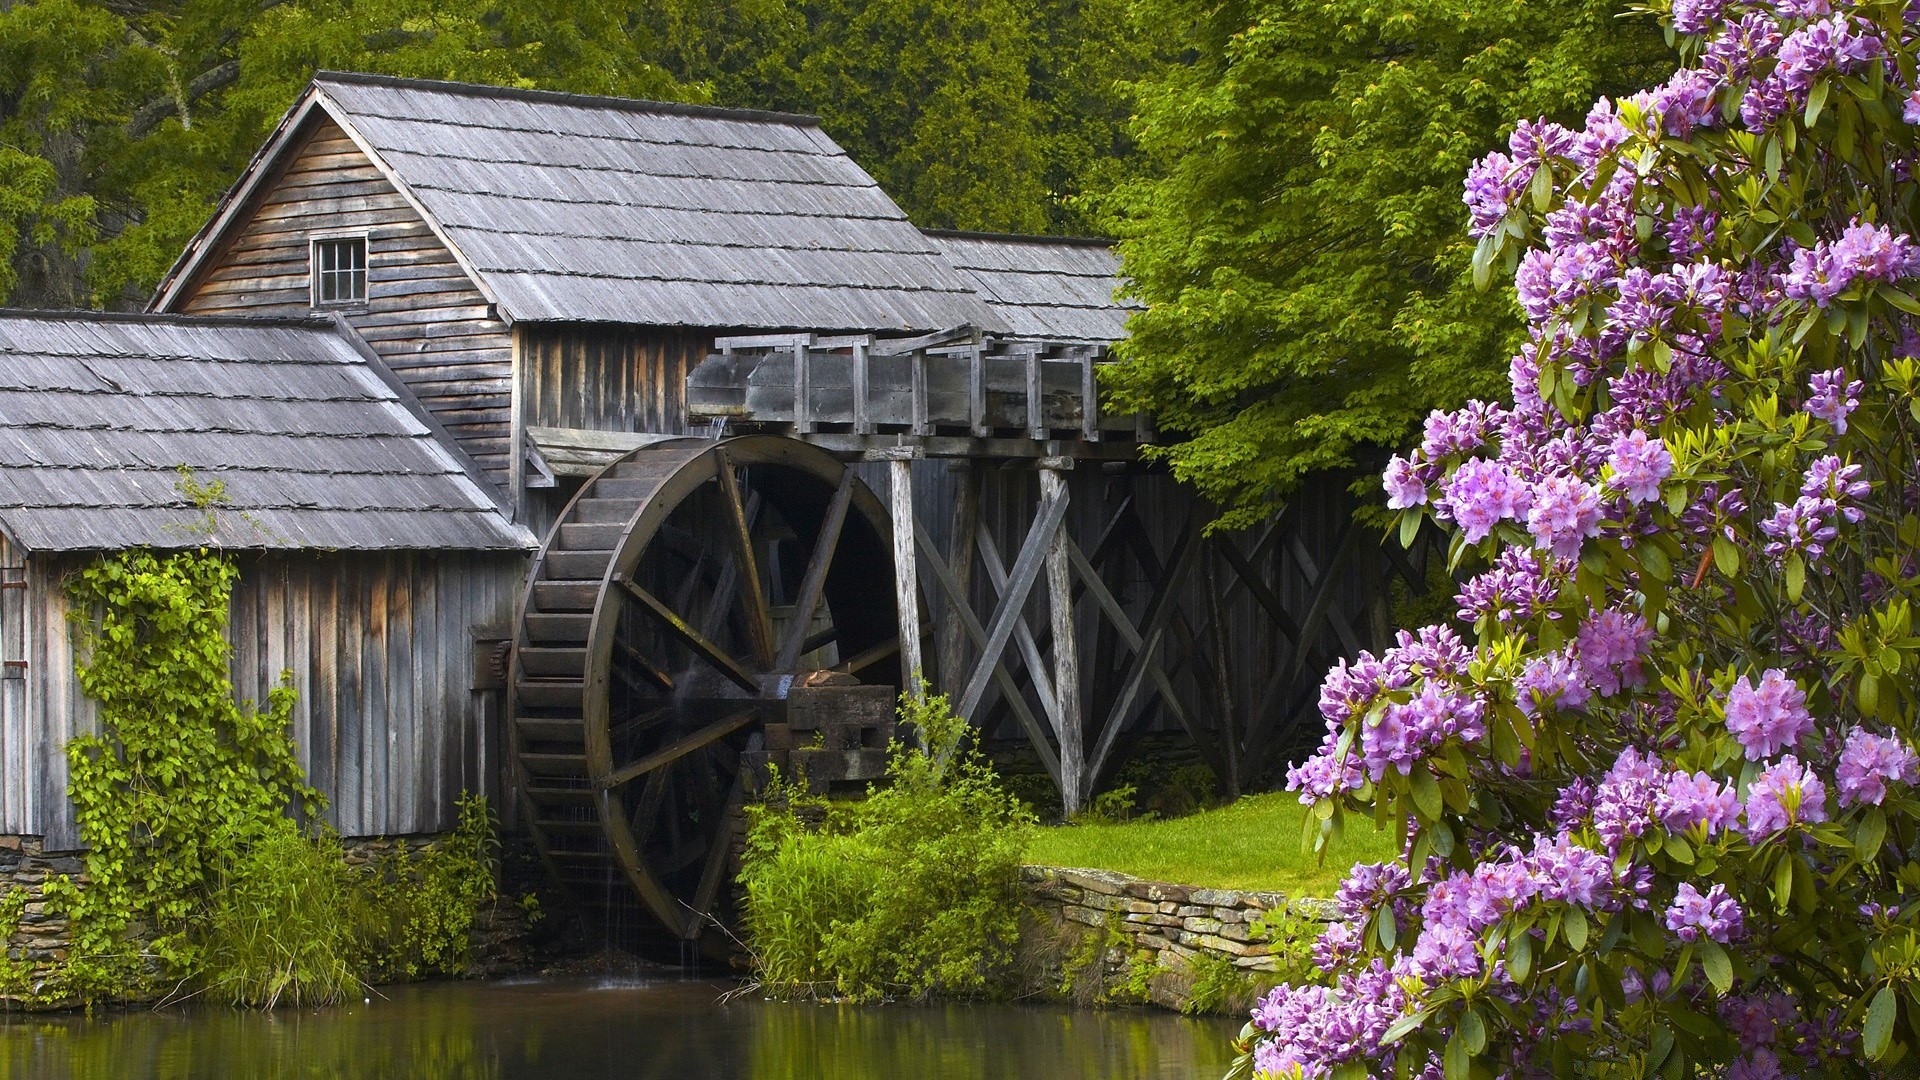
(1177, 930)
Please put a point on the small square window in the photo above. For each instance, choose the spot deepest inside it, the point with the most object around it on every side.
(340, 271)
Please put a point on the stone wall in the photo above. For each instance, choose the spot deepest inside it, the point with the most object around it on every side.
(36, 942)
(1182, 939)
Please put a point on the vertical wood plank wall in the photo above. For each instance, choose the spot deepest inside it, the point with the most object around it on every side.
(423, 314)
(608, 378)
(17, 747)
(380, 647)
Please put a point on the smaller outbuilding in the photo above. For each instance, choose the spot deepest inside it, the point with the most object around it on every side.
(377, 565)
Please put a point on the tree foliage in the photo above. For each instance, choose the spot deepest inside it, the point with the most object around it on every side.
(1660, 815)
(120, 124)
(1299, 244)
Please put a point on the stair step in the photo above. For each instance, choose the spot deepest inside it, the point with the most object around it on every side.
(549, 662)
(562, 565)
(554, 764)
(561, 596)
(595, 510)
(598, 537)
(538, 795)
(569, 828)
(550, 730)
(549, 694)
(545, 629)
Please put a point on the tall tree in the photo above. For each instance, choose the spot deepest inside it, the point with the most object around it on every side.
(1301, 246)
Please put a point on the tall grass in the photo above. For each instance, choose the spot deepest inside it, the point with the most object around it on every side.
(284, 923)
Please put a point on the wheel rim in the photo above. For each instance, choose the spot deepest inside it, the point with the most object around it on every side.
(691, 643)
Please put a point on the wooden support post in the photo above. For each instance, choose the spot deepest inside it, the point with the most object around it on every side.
(906, 578)
(977, 392)
(966, 517)
(802, 388)
(862, 380)
(1089, 399)
(1036, 404)
(918, 361)
(1074, 780)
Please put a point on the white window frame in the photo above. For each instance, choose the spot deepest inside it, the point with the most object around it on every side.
(314, 240)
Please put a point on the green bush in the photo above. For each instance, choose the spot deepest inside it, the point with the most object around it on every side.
(420, 908)
(283, 922)
(911, 892)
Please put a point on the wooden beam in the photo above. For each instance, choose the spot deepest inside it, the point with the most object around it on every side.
(965, 519)
(977, 392)
(814, 583)
(862, 387)
(1036, 403)
(680, 748)
(753, 598)
(802, 389)
(905, 580)
(1023, 638)
(1136, 645)
(696, 642)
(717, 856)
(963, 611)
(1074, 779)
(1026, 569)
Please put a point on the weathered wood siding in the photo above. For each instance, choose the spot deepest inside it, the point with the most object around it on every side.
(380, 650)
(423, 314)
(608, 378)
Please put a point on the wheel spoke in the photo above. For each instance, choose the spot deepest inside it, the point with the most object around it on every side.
(753, 599)
(708, 735)
(814, 583)
(717, 855)
(706, 650)
(660, 679)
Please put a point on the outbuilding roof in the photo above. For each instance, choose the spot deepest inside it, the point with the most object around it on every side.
(570, 208)
(1043, 287)
(313, 448)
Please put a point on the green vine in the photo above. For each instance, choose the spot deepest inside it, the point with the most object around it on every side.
(177, 774)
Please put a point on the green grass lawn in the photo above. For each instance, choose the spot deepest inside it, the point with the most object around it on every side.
(1253, 843)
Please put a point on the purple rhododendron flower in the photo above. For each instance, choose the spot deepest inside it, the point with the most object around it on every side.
(1609, 646)
(1833, 398)
(1769, 717)
(1562, 512)
(1480, 494)
(1868, 762)
(1785, 793)
(1697, 801)
(1405, 486)
(1713, 915)
(1639, 464)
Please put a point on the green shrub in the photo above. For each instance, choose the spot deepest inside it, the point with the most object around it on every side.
(283, 922)
(911, 892)
(421, 907)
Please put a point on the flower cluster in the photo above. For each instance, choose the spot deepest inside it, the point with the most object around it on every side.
(1685, 725)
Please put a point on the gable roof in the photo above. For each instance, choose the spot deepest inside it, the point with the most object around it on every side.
(98, 413)
(1043, 287)
(587, 209)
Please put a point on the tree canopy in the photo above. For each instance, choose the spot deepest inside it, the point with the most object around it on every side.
(1300, 242)
(120, 124)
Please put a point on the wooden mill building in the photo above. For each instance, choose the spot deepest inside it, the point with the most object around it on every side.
(702, 450)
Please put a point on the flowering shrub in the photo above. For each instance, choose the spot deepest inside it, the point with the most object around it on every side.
(1658, 807)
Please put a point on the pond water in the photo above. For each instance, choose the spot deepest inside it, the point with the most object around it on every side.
(588, 1029)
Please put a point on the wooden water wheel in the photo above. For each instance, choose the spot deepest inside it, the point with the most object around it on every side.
(679, 596)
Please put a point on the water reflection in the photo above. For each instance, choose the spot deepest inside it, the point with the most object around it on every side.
(586, 1030)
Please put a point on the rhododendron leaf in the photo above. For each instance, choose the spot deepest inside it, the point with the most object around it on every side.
(1866, 691)
(1483, 253)
(1473, 1029)
(1574, 925)
(1796, 577)
(1654, 561)
(1404, 1026)
(1783, 883)
(1877, 1033)
(1715, 963)
(1679, 850)
(1426, 793)
(1410, 526)
(1726, 557)
(1458, 1060)
(1519, 955)
(1816, 101)
(1903, 300)
(1387, 928)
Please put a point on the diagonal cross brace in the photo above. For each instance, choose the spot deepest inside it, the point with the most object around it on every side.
(943, 574)
(1026, 569)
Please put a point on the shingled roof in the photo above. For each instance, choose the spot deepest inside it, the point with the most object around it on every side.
(98, 413)
(1043, 287)
(570, 208)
